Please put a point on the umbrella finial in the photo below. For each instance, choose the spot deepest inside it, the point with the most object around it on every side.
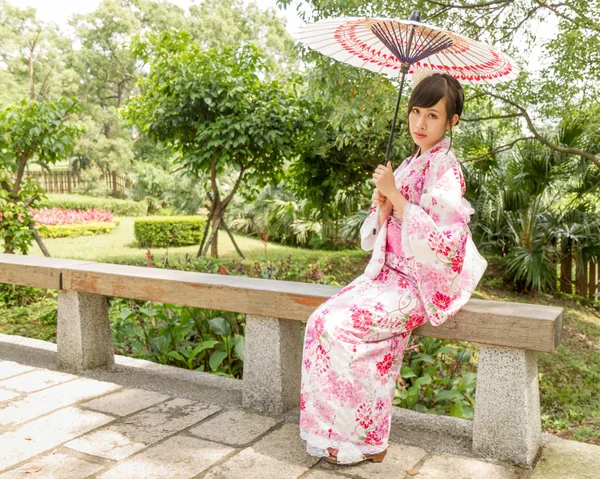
(415, 16)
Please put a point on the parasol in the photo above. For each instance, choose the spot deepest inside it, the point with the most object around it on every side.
(397, 48)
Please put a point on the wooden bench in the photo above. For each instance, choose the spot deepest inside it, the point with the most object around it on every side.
(506, 423)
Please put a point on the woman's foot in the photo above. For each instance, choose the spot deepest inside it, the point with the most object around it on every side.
(332, 458)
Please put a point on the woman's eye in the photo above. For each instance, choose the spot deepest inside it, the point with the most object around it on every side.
(433, 116)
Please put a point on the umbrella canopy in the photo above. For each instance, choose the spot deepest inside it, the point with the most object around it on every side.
(385, 45)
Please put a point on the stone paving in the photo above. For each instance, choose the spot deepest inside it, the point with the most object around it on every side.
(64, 426)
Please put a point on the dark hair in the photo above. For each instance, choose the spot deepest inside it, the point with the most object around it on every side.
(432, 89)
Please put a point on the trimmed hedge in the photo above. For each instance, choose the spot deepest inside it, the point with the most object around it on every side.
(77, 229)
(82, 202)
(162, 231)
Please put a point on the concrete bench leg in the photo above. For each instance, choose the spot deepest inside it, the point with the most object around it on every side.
(83, 335)
(272, 362)
(507, 424)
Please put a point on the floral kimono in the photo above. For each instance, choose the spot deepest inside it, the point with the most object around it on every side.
(423, 268)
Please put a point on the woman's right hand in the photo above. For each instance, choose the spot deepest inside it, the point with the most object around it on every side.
(385, 205)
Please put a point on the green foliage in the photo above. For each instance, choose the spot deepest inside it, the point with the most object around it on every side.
(438, 377)
(29, 130)
(79, 202)
(37, 128)
(15, 213)
(76, 230)
(163, 231)
(181, 336)
(212, 107)
(527, 208)
(92, 184)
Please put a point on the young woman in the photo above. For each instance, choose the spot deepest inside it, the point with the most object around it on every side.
(423, 268)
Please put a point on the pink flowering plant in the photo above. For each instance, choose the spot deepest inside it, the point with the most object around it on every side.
(57, 216)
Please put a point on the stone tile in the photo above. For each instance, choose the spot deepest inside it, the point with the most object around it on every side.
(143, 429)
(235, 427)
(284, 444)
(46, 433)
(126, 402)
(568, 460)
(281, 454)
(455, 467)
(47, 400)
(10, 368)
(36, 380)
(179, 457)
(5, 395)
(320, 474)
(398, 459)
(54, 466)
(249, 464)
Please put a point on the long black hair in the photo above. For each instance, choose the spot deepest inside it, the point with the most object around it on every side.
(431, 90)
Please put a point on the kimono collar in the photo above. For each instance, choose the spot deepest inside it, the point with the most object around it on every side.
(444, 143)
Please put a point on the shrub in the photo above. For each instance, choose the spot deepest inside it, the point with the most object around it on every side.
(92, 184)
(161, 231)
(77, 229)
(81, 202)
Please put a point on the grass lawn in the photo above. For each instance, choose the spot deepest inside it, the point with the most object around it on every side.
(119, 245)
(569, 377)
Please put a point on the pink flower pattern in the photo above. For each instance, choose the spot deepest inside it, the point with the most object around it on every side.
(354, 342)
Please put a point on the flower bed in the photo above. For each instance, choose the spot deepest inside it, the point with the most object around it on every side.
(60, 223)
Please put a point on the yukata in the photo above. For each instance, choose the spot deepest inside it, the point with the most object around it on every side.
(423, 268)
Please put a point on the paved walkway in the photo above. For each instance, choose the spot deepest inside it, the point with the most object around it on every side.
(65, 426)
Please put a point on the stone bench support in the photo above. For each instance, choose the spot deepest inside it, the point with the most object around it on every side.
(272, 362)
(507, 423)
(83, 334)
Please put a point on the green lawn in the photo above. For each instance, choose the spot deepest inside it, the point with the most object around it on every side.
(119, 246)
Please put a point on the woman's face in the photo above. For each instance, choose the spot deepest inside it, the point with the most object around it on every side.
(428, 125)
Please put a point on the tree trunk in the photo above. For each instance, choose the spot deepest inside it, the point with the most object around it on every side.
(592, 285)
(566, 268)
(214, 244)
(8, 247)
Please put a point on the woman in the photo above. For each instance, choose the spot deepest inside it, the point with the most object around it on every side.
(424, 267)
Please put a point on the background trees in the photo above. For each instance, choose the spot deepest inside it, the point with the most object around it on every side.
(214, 109)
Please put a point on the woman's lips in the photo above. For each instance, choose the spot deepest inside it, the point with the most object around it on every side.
(420, 135)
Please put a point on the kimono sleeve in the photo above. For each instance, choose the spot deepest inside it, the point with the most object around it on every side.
(434, 238)
(367, 237)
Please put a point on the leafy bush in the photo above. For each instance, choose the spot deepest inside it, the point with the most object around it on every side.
(181, 336)
(75, 230)
(161, 231)
(115, 206)
(92, 184)
(437, 377)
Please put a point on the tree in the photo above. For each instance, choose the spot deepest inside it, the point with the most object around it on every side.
(29, 130)
(217, 110)
(33, 56)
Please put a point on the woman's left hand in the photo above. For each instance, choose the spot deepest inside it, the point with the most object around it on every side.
(383, 177)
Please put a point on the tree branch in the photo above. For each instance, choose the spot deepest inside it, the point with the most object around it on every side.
(493, 117)
(586, 21)
(500, 149)
(476, 6)
(541, 139)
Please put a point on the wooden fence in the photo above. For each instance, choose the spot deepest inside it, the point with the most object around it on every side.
(66, 181)
(586, 281)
